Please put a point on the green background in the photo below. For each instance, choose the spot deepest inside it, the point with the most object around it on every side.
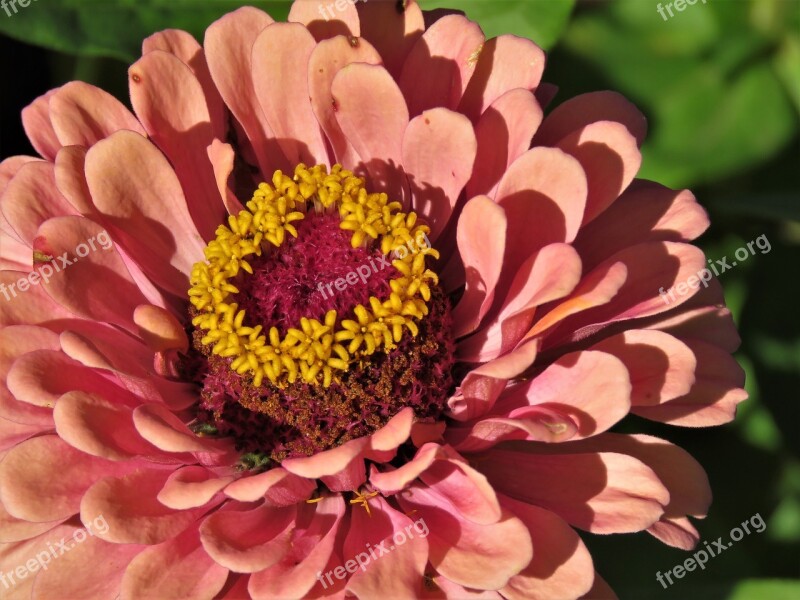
(720, 84)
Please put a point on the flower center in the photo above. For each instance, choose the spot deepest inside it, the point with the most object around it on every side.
(317, 317)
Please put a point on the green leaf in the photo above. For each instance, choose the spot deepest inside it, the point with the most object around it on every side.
(116, 29)
(766, 589)
(542, 21)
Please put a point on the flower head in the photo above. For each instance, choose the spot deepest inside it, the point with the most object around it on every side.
(356, 334)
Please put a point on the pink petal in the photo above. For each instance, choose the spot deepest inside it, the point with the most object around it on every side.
(396, 576)
(677, 532)
(577, 112)
(15, 342)
(604, 492)
(711, 324)
(441, 63)
(504, 133)
(327, 59)
(326, 20)
(183, 45)
(561, 567)
(69, 577)
(78, 287)
(281, 53)
(505, 63)
(71, 179)
(31, 198)
(310, 553)
(712, 400)
(168, 99)
(159, 329)
(83, 114)
(34, 307)
(12, 433)
(645, 212)
(222, 157)
(661, 367)
(247, 541)
(38, 128)
(145, 198)
(100, 427)
(277, 486)
(162, 428)
(190, 487)
(129, 505)
(476, 396)
(178, 568)
(229, 45)
(16, 530)
(395, 480)
(372, 114)
(481, 244)
(476, 556)
(439, 149)
(392, 29)
(610, 157)
(68, 471)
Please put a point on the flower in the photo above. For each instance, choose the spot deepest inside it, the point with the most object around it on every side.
(433, 430)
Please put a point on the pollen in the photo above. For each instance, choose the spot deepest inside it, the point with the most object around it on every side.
(312, 351)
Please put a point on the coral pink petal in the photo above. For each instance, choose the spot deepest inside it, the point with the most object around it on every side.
(17, 530)
(159, 329)
(561, 567)
(607, 492)
(444, 588)
(440, 65)
(327, 59)
(71, 179)
(229, 46)
(712, 400)
(190, 487)
(439, 148)
(528, 423)
(577, 112)
(129, 505)
(100, 427)
(645, 212)
(610, 157)
(31, 198)
(223, 157)
(481, 237)
(15, 342)
(178, 568)
(145, 198)
(183, 45)
(329, 462)
(476, 397)
(97, 286)
(281, 54)
(38, 127)
(278, 486)
(158, 425)
(504, 133)
(396, 480)
(476, 556)
(68, 576)
(326, 21)
(83, 114)
(549, 274)
(650, 267)
(391, 30)
(677, 532)
(12, 433)
(313, 547)
(399, 576)
(551, 184)
(384, 442)
(661, 367)
(68, 471)
(10, 166)
(712, 324)
(168, 99)
(600, 590)
(373, 116)
(247, 541)
(505, 63)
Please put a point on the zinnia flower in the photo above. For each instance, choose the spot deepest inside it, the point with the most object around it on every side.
(338, 313)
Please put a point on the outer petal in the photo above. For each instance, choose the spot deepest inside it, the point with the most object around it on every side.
(323, 22)
(39, 129)
(393, 29)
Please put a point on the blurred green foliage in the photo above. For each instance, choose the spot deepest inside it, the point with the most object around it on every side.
(720, 85)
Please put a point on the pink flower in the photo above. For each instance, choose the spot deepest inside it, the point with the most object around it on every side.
(464, 423)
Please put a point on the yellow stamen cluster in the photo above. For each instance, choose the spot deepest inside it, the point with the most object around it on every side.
(314, 351)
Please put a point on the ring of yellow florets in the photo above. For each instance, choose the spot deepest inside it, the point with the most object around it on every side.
(314, 351)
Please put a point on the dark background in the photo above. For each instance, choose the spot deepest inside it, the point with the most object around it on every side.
(720, 84)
